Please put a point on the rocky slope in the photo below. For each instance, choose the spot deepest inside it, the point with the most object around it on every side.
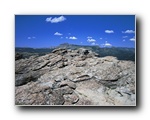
(74, 77)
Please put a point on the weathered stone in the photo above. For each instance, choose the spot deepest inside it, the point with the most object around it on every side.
(60, 77)
(42, 65)
(109, 83)
(74, 77)
(21, 79)
(81, 78)
(80, 64)
(83, 51)
(27, 95)
(55, 61)
(67, 83)
(64, 90)
(59, 51)
(71, 98)
(73, 54)
(56, 98)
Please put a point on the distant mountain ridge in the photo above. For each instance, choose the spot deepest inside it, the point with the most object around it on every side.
(122, 53)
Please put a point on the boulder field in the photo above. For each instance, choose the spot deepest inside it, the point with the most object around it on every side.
(74, 77)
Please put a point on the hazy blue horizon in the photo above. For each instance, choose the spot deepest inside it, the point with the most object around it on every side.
(72, 44)
(44, 31)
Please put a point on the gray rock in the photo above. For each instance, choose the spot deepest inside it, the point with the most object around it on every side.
(67, 83)
(64, 90)
(71, 98)
(41, 65)
(56, 98)
(74, 77)
(83, 51)
(81, 78)
(80, 64)
(60, 51)
(54, 61)
(60, 77)
(21, 79)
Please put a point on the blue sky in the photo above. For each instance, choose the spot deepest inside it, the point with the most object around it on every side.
(40, 31)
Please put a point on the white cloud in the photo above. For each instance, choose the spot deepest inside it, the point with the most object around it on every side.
(57, 33)
(109, 31)
(89, 37)
(123, 40)
(128, 31)
(132, 39)
(66, 37)
(100, 38)
(55, 19)
(29, 38)
(72, 38)
(93, 43)
(91, 40)
(124, 36)
(106, 44)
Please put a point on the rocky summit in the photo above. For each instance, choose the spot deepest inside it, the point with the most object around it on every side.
(74, 77)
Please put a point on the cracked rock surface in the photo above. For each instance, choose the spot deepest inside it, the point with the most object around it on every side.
(74, 77)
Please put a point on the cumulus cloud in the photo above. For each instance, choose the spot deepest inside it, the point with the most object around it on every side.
(55, 19)
(73, 38)
(106, 44)
(109, 31)
(57, 33)
(128, 31)
(91, 40)
(132, 39)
